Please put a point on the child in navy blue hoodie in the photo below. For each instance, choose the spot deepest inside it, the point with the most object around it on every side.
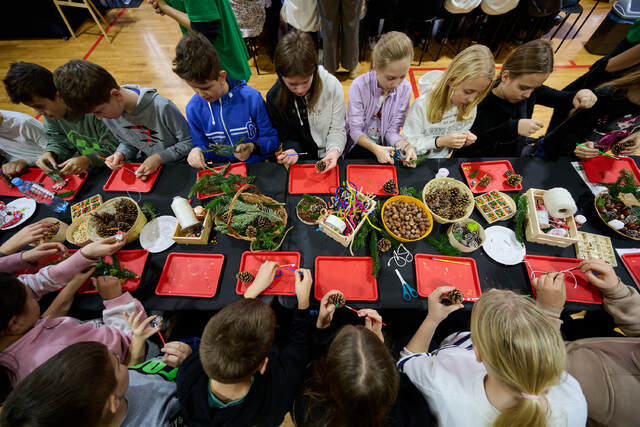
(228, 119)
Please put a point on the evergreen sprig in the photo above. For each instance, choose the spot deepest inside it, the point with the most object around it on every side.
(626, 183)
(149, 210)
(408, 191)
(216, 182)
(521, 215)
(373, 251)
(442, 245)
(224, 149)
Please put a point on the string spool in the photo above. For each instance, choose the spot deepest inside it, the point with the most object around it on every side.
(559, 203)
(183, 212)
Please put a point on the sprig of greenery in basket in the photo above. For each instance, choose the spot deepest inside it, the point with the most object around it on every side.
(521, 215)
(224, 149)
(216, 182)
(625, 184)
(306, 204)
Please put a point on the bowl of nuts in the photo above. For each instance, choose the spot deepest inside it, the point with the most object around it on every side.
(448, 200)
(55, 233)
(77, 233)
(406, 218)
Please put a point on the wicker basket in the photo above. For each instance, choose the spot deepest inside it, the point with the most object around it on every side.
(253, 198)
(595, 201)
(322, 202)
(58, 237)
(460, 246)
(448, 183)
(109, 206)
(407, 199)
(71, 230)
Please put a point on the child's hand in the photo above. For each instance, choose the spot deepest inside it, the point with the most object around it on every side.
(175, 352)
(527, 127)
(115, 161)
(12, 168)
(103, 247)
(263, 279)
(196, 158)
(149, 166)
(243, 151)
(372, 321)
(43, 251)
(584, 99)
(140, 327)
(285, 159)
(452, 140)
(384, 154)
(437, 310)
(47, 162)
(325, 316)
(471, 138)
(410, 154)
(75, 165)
(551, 289)
(109, 287)
(606, 278)
(29, 234)
(631, 151)
(331, 160)
(587, 152)
(157, 6)
(303, 287)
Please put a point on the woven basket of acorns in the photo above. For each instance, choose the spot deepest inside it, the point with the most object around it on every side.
(406, 218)
(448, 200)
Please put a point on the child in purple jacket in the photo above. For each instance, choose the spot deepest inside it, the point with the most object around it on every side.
(378, 103)
(27, 339)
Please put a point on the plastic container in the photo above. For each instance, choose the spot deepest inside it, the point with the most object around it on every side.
(234, 169)
(33, 174)
(433, 271)
(283, 284)
(495, 170)
(190, 275)
(40, 194)
(370, 178)
(124, 179)
(606, 170)
(350, 275)
(306, 179)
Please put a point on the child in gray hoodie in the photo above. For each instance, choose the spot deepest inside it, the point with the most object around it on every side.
(140, 118)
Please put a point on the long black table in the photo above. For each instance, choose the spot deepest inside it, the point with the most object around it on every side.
(272, 180)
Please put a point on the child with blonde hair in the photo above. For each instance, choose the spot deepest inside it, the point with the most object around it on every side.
(378, 103)
(439, 120)
(512, 374)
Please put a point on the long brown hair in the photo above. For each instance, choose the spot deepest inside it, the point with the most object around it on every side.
(355, 385)
(532, 57)
(70, 389)
(296, 55)
(622, 84)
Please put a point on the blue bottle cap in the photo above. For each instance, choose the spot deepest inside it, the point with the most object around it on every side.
(17, 181)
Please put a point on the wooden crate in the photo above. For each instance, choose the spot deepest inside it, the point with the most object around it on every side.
(346, 240)
(179, 234)
(533, 232)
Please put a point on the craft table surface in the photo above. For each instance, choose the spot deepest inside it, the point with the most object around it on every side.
(272, 180)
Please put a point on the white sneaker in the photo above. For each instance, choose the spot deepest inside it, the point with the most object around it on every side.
(355, 72)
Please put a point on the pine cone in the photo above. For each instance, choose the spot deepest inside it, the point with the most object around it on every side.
(514, 180)
(263, 223)
(455, 296)
(251, 231)
(390, 186)
(508, 173)
(484, 181)
(337, 299)
(617, 148)
(384, 245)
(244, 276)
(225, 216)
(321, 165)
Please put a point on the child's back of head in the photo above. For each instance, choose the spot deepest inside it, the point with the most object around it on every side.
(196, 59)
(25, 80)
(236, 341)
(392, 46)
(84, 85)
(518, 344)
(356, 384)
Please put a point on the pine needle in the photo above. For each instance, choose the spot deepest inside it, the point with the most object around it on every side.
(408, 191)
(375, 257)
(521, 215)
(442, 245)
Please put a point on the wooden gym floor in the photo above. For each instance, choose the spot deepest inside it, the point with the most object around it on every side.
(142, 48)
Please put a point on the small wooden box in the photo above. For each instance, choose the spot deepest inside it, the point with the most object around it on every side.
(179, 234)
(532, 227)
(342, 239)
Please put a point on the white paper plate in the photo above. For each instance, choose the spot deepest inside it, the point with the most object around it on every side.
(25, 205)
(502, 246)
(156, 235)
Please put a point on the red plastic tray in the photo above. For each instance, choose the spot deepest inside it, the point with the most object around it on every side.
(371, 178)
(234, 168)
(431, 274)
(495, 169)
(351, 275)
(585, 292)
(632, 262)
(190, 275)
(306, 179)
(34, 174)
(124, 180)
(604, 169)
(75, 182)
(285, 284)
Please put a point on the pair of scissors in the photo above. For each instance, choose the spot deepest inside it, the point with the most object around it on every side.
(398, 155)
(408, 293)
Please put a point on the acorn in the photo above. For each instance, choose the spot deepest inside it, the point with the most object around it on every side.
(455, 296)
(337, 299)
(244, 276)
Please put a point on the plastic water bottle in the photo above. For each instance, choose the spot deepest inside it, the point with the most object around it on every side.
(40, 194)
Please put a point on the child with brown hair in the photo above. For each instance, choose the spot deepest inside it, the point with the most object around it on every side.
(227, 118)
(378, 103)
(306, 104)
(140, 118)
(237, 378)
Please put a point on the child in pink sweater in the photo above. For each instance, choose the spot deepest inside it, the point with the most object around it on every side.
(27, 339)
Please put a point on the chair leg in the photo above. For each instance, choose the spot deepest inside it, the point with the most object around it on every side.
(93, 15)
(586, 18)
(567, 33)
(427, 39)
(64, 18)
(93, 6)
(253, 51)
(558, 27)
(507, 38)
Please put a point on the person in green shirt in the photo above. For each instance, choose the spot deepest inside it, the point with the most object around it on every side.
(68, 132)
(214, 19)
